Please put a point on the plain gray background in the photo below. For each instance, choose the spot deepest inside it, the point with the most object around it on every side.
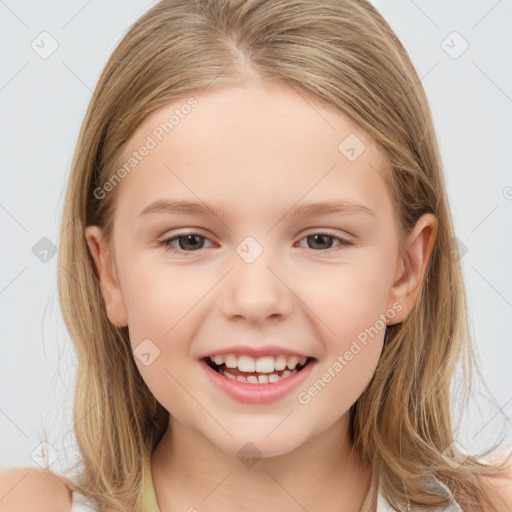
(462, 51)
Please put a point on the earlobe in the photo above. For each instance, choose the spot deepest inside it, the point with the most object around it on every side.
(109, 284)
(411, 269)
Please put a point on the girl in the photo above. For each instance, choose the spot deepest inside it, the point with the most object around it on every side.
(228, 359)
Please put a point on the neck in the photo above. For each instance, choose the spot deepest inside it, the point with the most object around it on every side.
(323, 473)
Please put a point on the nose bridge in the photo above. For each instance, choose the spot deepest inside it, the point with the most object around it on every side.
(255, 288)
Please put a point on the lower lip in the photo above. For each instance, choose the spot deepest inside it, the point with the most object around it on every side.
(257, 393)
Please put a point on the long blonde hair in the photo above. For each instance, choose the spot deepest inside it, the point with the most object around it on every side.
(341, 52)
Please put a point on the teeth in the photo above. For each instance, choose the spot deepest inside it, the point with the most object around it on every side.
(280, 363)
(231, 361)
(261, 379)
(292, 362)
(266, 364)
(246, 364)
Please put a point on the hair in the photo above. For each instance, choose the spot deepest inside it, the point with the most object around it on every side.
(344, 54)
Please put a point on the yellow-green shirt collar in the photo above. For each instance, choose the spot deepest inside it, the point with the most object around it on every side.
(149, 503)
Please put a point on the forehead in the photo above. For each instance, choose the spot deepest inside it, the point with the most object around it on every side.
(251, 146)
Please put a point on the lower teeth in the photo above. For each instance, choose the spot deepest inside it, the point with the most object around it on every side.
(261, 378)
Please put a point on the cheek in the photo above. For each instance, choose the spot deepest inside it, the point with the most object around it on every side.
(350, 322)
(162, 319)
(169, 387)
(347, 298)
(349, 305)
(158, 296)
(344, 372)
(162, 322)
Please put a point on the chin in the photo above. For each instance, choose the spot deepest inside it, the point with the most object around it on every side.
(258, 444)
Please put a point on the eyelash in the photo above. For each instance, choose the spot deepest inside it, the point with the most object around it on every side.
(173, 250)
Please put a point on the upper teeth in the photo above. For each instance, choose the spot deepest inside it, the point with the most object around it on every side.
(267, 364)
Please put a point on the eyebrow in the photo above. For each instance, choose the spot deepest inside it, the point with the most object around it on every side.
(304, 210)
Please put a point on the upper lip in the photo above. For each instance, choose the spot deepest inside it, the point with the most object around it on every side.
(267, 350)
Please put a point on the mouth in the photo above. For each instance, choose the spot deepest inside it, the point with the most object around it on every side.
(255, 377)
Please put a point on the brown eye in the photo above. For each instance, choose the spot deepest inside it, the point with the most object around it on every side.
(324, 241)
(187, 243)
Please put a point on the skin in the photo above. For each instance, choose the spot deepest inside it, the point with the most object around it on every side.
(257, 150)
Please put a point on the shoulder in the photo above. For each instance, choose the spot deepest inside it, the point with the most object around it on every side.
(502, 487)
(33, 489)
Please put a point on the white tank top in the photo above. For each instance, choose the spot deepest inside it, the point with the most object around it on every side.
(82, 504)
(434, 485)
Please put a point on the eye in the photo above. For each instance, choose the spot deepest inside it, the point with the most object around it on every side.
(324, 240)
(192, 241)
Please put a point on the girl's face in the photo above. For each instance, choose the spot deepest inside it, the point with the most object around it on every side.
(261, 270)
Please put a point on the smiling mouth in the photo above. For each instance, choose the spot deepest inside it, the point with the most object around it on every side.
(255, 377)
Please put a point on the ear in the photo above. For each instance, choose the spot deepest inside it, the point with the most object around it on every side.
(109, 284)
(411, 269)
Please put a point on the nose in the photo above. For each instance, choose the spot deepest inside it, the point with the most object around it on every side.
(257, 290)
